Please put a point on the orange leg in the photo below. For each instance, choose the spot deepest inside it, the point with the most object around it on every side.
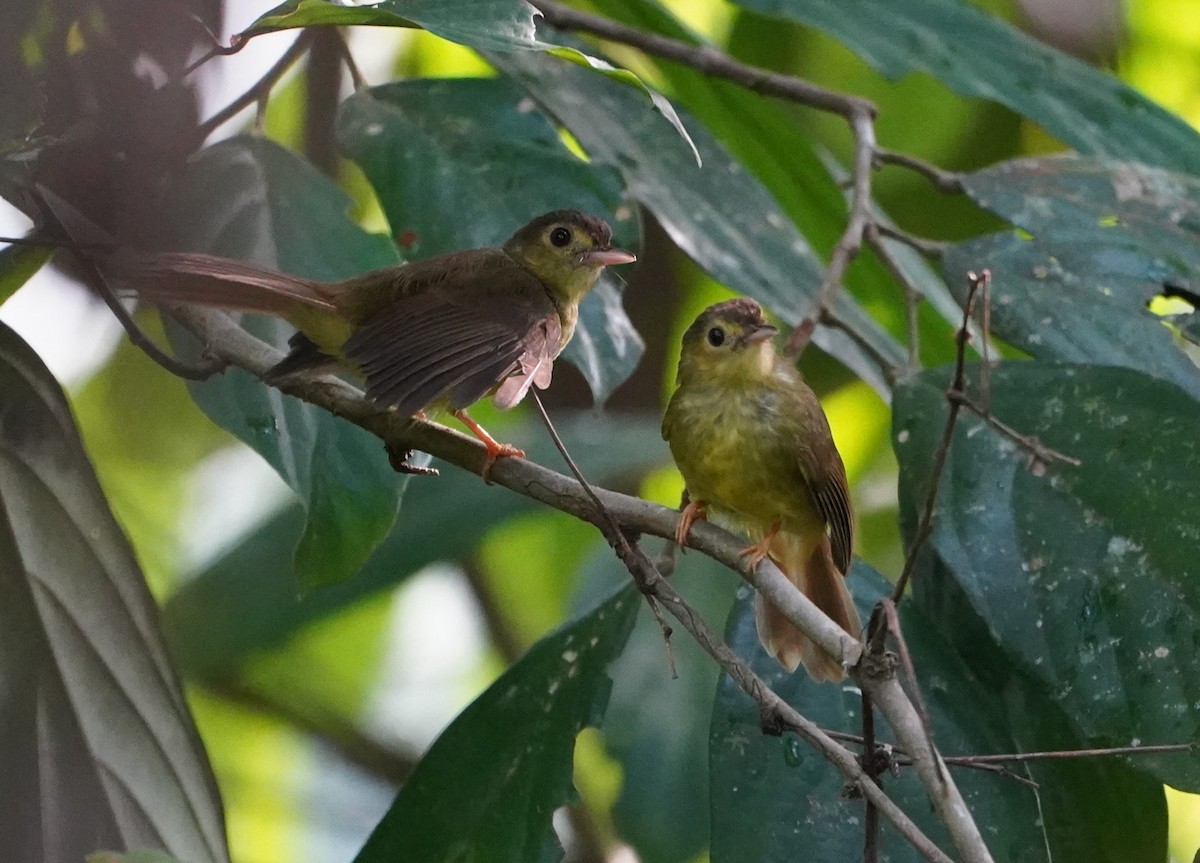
(495, 449)
(761, 550)
(696, 510)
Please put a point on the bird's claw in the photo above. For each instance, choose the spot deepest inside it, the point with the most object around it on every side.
(695, 511)
(499, 450)
(398, 458)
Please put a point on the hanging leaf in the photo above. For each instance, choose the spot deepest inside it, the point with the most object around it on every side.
(98, 746)
(978, 55)
(490, 25)
(250, 199)
(489, 785)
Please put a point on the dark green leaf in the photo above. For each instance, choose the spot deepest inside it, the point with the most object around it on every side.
(1106, 237)
(657, 724)
(248, 198)
(978, 55)
(485, 25)
(720, 215)
(462, 163)
(772, 796)
(98, 746)
(489, 785)
(500, 25)
(1087, 577)
(221, 616)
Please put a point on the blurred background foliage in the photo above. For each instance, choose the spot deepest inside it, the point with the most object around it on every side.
(315, 708)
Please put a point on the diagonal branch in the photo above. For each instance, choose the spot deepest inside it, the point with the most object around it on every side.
(634, 516)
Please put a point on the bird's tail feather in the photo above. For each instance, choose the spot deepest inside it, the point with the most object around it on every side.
(818, 577)
(208, 280)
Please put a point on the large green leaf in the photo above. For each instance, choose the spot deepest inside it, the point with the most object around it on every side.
(485, 25)
(98, 747)
(772, 796)
(1106, 236)
(1087, 577)
(221, 616)
(979, 55)
(499, 25)
(462, 163)
(249, 198)
(656, 726)
(720, 215)
(489, 785)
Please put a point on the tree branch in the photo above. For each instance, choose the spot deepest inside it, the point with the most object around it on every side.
(223, 336)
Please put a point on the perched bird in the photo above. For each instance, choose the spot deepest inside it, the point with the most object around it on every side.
(434, 334)
(756, 453)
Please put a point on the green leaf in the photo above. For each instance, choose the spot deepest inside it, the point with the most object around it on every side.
(721, 216)
(462, 163)
(657, 725)
(485, 25)
(978, 55)
(500, 25)
(98, 745)
(18, 264)
(772, 796)
(220, 616)
(248, 198)
(488, 786)
(1087, 577)
(1106, 236)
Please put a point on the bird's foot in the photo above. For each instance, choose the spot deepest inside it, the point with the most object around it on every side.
(761, 550)
(495, 449)
(696, 510)
(398, 458)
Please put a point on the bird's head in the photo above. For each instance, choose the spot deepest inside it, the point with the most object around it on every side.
(566, 250)
(728, 342)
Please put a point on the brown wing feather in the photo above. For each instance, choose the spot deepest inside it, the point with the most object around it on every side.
(832, 497)
(460, 339)
(825, 474)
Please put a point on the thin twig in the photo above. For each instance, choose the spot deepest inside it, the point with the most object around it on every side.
(925, 524)
(1040, 453)
(615, 535)
(261, 88)
(944, 181)
(890, 370)
(873, 767)
(1064, 754)
(912, 294)
(709, 60)
(934, 249)
(862, 125)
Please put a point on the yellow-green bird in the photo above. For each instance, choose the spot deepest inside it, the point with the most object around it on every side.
(439, 333)
(756, 453)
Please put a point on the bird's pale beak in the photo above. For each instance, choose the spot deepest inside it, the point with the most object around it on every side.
(609, 257)
(758, 335)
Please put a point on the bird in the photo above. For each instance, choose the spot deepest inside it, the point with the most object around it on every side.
(430, 335)
(756, 453)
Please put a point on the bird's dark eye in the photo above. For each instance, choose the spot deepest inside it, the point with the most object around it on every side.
(560, 237)
(716, 337)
